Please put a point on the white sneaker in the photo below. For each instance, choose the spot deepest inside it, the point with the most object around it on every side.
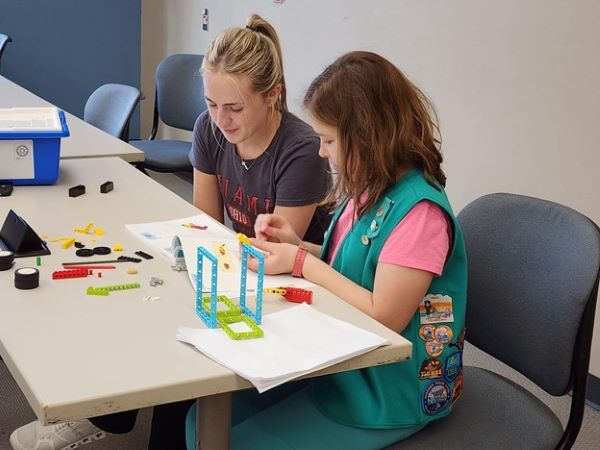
(62, 436)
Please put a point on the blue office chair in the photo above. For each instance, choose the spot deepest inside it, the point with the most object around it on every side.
(4, 40)
(178, 102)
(533, 283)
(110, 108)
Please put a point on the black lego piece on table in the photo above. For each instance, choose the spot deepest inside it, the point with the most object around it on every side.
(120, 259)
(18, 237)
(6, 259)
(144, 255)
(84, 252)
(6, 188)
(76, 191)
(27, 278)
(106, 187)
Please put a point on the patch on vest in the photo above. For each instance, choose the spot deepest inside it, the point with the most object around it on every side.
(436, 308)
(427, 333)
(435, 397)
(431, 368)
(434, 348)
(457, 387)
(453, 366)
(444, 334)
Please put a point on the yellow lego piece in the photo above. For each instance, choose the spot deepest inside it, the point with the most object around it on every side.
(223, 257)
(84, 230)
(243, 238)
(118, 248)
(66, 244)
(279, 291)
(99, 231)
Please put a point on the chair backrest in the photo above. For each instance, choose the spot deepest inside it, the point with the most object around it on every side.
(4, 40)
(533, 282)
(179, 90)
(110, 108)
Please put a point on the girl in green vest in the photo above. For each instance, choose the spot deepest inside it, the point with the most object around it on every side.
(394, 250)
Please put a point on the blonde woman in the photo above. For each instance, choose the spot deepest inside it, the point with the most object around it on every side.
(250, 154)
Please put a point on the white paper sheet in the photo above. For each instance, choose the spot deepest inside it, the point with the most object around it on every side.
(296, 341)
(228, 282)
(159, 236)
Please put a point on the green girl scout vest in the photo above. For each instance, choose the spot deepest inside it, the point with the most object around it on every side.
(424, 388)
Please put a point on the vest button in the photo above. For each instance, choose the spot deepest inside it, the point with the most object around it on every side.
(379, 212)
(374, 225)
(364, 239)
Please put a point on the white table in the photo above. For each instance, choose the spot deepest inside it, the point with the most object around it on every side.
(86, 141)
(76, 356)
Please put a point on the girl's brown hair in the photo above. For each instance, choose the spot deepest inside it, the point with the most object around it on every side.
(385, 125)
(254, 51)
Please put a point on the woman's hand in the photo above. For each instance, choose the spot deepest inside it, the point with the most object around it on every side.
(274, 228)
(279, 257)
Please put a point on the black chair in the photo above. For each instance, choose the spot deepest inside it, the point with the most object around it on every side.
(110, 108)
(179, 100)
(4, 40)
(533, 283)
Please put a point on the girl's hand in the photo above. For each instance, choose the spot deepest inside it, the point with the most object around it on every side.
(274, 228)
(279, 258)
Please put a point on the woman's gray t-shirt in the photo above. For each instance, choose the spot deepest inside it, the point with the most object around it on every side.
(288, 173)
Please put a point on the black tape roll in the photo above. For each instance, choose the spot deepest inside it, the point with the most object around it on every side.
(6, 259)
(27, 278)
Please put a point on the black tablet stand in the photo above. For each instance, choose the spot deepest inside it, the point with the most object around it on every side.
(18, 237)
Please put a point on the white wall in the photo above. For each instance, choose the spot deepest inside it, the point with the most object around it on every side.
(515, 83)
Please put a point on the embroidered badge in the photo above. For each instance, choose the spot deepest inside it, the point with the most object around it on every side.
(443, 333)
(430, 368)
(426, 332)
(434, 348)
(435, 397)
(436, 308)
(460, 341)
(457, 391)
(453, 366)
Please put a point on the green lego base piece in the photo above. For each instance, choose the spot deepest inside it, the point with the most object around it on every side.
(232, 311)
(94, 291)
(255, 330)
(104, 290)
(38, 261)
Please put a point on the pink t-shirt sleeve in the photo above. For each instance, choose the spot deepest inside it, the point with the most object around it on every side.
(421, 240)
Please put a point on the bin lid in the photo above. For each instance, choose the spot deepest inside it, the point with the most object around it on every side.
(32, 122)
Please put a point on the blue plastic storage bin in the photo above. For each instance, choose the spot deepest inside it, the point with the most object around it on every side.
(30, 144)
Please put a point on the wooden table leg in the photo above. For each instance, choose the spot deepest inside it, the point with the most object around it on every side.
(213, 422)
